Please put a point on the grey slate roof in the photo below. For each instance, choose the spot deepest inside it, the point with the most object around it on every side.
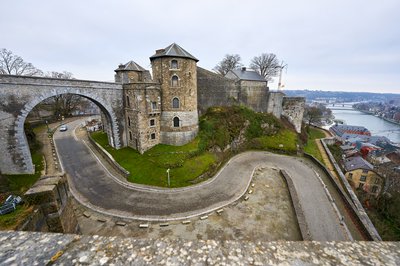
(131, 65)
(173, 50)
(246, 75)
(358, 162)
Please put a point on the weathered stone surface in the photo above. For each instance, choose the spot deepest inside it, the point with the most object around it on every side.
(42, 248)
(50, 195)
(293, 110)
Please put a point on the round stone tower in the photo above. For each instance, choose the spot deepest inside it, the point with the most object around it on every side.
(176, 71)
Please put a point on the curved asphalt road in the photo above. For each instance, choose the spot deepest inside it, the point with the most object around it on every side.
(93, 186)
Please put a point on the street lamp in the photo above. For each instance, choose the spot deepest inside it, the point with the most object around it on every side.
(168, 177)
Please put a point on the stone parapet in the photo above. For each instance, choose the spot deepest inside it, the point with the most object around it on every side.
(361, 214)
(44, 249)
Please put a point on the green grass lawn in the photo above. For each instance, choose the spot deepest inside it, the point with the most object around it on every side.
(185, 162)
(311, 147)
(284, 137)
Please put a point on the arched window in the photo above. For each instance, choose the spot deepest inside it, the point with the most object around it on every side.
(174, 64)
(130, 135)
(176, 121)
(174, 81)
(175, 103)
(127, 101)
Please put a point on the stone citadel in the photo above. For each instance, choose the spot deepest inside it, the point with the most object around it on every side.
(164, 107)
(140, 110)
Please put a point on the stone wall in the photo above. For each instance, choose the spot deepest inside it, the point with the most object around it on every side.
(274, 106)
(215, 90)
(293, 110)
(187, 130)
(50, 194)
(19, 95)
(254, 94)
(59, 249)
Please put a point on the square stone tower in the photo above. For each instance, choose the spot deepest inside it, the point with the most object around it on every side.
(176, 71)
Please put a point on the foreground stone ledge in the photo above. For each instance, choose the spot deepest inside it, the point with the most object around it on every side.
(32, 248)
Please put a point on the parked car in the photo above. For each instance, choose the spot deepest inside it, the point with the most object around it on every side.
(63, 128)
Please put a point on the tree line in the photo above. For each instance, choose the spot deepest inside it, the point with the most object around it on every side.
(266, 64)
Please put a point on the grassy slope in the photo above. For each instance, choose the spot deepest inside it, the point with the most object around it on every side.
(311, 147)
(218, 127)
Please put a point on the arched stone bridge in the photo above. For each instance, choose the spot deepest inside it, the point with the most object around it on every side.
(19, 95)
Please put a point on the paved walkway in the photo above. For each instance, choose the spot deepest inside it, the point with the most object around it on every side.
(93, 187)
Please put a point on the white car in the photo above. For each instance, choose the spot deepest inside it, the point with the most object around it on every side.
(63, 128)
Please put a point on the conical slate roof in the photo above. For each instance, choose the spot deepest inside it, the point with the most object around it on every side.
(173, 50)
(131, 65)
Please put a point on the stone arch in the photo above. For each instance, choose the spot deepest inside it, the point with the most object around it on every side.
(22, 143)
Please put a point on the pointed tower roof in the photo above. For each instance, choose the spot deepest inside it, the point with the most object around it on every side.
(173, 50)
(130, 66)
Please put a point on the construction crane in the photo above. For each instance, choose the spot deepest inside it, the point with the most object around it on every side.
(281, 67)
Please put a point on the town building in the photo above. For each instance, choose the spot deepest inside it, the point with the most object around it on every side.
(361, 175)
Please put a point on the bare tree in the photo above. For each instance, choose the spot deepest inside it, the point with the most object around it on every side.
(11, 64)
(229, 62)
(59, 75)
(312, 114)
(267, 65)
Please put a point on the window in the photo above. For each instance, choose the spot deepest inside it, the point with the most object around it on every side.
(361, 185)
(174, 64)
(175, 103)
(130, 135)
(176, 122)
(152, 122)
(153, 136)
(365, 171)
(350, 175)
(377, 180)
(154, 105)
(374, 189)
(128, 103)
(363, 178)
(129, 121)
(174, 81)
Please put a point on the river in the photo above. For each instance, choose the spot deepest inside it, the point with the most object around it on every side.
(376, 125)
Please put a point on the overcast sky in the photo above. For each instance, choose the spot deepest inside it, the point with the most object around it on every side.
(347, 45)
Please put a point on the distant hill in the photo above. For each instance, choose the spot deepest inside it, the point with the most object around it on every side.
(343, 96)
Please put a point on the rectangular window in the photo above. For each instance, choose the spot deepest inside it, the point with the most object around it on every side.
(361, 185)
(350, 175)
(153, 136)
(154, 105)
(374, 189)
(365, 171)
(363, 178)
(152, 122)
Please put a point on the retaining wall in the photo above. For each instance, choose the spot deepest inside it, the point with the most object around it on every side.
(108, 157)
(354, 203)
